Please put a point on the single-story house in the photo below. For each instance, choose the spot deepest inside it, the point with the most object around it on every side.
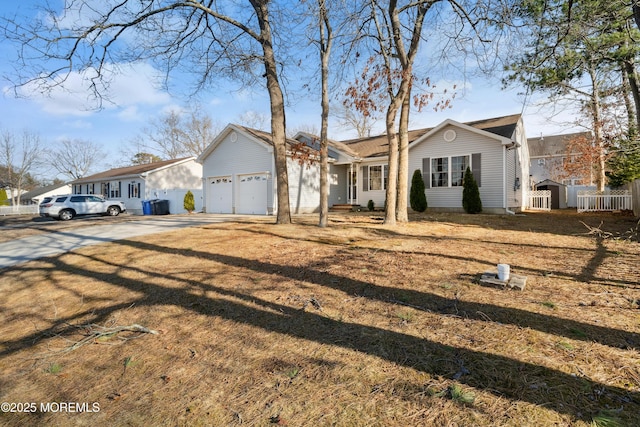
(494, 149)
(165, 180)
(36, 195)
(239, 170)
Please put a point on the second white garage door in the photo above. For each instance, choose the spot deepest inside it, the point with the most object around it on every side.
(251, 194)
(220, 195)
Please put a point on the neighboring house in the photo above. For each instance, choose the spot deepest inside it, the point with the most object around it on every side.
(168, 180)
(548, 156)
(36, 195)
(238, 168)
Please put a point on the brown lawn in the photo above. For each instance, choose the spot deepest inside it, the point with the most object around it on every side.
(354, 325)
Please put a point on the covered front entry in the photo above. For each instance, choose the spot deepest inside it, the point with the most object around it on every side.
(220, 198)
(252, 191)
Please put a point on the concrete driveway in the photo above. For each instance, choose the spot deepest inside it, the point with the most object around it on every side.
(56, 242)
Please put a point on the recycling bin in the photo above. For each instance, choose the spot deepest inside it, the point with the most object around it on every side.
(146, 207)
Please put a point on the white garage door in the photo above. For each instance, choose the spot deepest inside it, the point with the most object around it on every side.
(220, 195)
(252, 194)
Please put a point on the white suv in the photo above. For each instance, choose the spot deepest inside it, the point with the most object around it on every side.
(67, 206)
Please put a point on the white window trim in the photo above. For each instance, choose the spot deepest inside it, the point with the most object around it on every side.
(385, 169)
(449, 170)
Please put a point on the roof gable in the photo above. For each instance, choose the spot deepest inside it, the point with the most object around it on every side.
(260, 137)
(501, 128)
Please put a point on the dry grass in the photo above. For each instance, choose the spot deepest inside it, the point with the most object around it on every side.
(357, 324)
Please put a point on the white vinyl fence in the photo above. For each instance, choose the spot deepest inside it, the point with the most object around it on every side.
(597, 201)
(19, 210)
(540, 200)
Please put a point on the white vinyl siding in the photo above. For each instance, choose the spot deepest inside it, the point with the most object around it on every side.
(186, 175)
(304, 187)
(466, 143)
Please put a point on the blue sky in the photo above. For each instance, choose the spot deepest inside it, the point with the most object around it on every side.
(137, 97)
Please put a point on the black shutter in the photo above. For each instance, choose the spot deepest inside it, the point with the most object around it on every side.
(119, 188)
(365, 178)
(139, 190)
(426, 172)
(476, 167)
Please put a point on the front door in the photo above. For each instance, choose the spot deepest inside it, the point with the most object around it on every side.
(353, 186)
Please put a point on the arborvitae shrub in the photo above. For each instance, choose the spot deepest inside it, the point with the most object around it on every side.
(470, 194)
(417, 197)
(189, 202)
(370, 205)
(4, 199)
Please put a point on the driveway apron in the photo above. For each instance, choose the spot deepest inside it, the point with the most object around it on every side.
(57, 242)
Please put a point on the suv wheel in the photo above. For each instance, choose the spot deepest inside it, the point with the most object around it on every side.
(66, 215)
(113, 211)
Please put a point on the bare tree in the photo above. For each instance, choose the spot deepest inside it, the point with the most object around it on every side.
(20, 155)
(74, 158)
(389, 34)
(207, 38)
(396, 28)
(252, 119)
(351, 118)
(178, 134)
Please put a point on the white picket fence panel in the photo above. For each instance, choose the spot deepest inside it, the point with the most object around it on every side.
(19, 210)
(540, 200)
(602, 201)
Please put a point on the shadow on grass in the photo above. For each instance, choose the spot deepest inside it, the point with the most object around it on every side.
(587, 275)
(575, 396)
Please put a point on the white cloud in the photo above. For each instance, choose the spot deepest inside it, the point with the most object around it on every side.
(130, 114)
(78, 124)
(126, 85)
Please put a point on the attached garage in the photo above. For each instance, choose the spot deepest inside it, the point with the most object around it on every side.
(239, 167)
(252, 191)
(220, 195)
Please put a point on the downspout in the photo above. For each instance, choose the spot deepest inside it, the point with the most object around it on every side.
(504, 181)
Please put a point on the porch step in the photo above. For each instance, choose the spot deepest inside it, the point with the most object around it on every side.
(344, 208)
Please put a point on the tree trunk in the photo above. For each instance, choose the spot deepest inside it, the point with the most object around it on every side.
(392, 183)
(632, 77)
(325, 52)
(278, 121)
(403, 159)
(596, 112)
